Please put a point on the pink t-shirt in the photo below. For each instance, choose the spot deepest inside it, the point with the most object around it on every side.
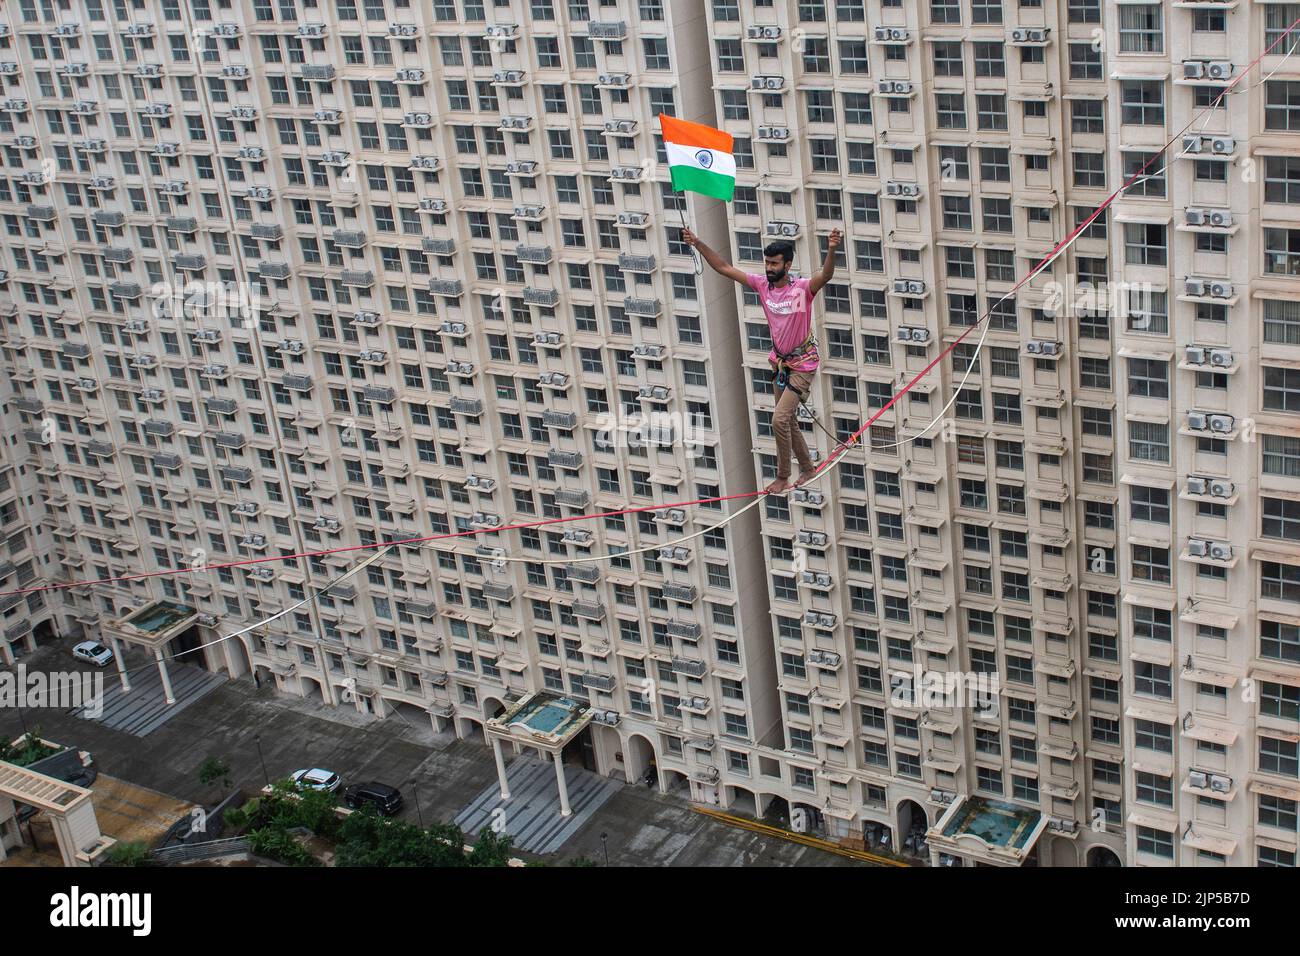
(789, 317)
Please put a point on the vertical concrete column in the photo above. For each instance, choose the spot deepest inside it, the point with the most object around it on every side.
(501, 767)
(564, 788)
(121, 664)
(166, 678)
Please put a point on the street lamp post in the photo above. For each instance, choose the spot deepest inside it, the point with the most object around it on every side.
(257, 739)
(604, 842)
(419, 814)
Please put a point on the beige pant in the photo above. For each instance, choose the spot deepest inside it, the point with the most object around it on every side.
(786, 426)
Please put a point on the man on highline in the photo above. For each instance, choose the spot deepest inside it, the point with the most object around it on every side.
(787, 303)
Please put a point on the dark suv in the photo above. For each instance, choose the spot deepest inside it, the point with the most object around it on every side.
(387, 800)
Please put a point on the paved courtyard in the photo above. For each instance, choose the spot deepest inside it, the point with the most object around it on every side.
(262, 734)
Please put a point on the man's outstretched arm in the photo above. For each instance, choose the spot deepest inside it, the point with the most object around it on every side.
(718, 264)
(827, 271)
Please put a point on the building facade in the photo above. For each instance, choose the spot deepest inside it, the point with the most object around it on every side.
(294, 277)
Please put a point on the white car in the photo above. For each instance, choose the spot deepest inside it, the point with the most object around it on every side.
(92, 652)
(317, 779)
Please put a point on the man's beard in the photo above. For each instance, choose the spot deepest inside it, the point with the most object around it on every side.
(775, 277)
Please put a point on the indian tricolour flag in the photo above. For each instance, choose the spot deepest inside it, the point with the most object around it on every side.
(699, 157)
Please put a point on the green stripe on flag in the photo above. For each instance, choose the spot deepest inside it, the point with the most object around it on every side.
(703, 181)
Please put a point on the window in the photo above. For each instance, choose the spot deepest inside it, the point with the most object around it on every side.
(1145, 243)
(1281, 389)
(1282, 251)
(1141, 28)
(1282, 104)
(1143, 103)
(1148, 441)
(1282, 177)
(1148, 378)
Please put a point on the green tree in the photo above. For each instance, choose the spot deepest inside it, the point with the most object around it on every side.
(130, 854)
(214, 770)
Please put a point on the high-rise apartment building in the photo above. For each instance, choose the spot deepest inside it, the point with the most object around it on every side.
(296, 276)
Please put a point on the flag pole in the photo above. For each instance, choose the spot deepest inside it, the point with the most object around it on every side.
(699, 268)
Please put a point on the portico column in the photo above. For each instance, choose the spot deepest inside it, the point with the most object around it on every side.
(121, 664)
(564, 789)
(162, 673)
(501, 767)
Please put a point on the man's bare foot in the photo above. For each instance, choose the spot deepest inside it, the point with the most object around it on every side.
(805, 476)
(779, 486)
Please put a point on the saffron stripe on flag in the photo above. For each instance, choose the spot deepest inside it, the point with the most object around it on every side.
(686, 133)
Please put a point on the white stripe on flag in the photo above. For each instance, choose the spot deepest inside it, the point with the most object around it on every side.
(724, 164)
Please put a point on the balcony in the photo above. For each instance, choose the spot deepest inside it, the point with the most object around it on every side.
(76, 350)
(33, 406)
(684, 593)
(273, 270)
(565, 421)
(267, 230)
(41, 213)
(317, 73)
(439, 247)
(588, 573)
(601, 682)
(184, 224)
(112, 220)
(383, 394)
(537, 255)
(647, 307)
(687, 630)
(239, 474)
(422, 609)
(682, 665)
(467, 406)
(159, 427)
(190, 263)
(126, 290)
(119, 256)
(229, 440)
(100, 449)
(571, 498)
(167, 460)
(588, 610)
(631, 263)
(570, 460)
(498, 591)
(349, 238)
(297, 383)
(222, 406)
(358, 278)
(448, 288)
(547, 298)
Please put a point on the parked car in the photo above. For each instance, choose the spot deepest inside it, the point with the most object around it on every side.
(317, 779)
(93, 652)
(387, 800)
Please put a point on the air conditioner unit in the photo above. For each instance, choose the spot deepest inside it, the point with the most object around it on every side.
(328, 116)
(1191, 144)
(1220, 218)
(1197, 421)
(1195, 217)
(915, 287)
(1221, 290)
(410, 75)
(631, 219)
(546, 338)
(311, 29)
(1197, 486)
(1198, 547)
(251, 152)
(1198, 778)
(900, 285)
(1222, 488)
(1219, 783)
(780, 133)
(920, 335)
(1220, 551)
(507, 76)
(259, 193)
(1195, 355)
(243, 112)
(1042, 347)
(612, 79)
(775, 82)
(433, 205)
(1195, 287)
(1221, 423)
(1193, 69)
(1223, 144)
(1218, 69)
(1220, 358)
(419, 119)
(403, 30)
